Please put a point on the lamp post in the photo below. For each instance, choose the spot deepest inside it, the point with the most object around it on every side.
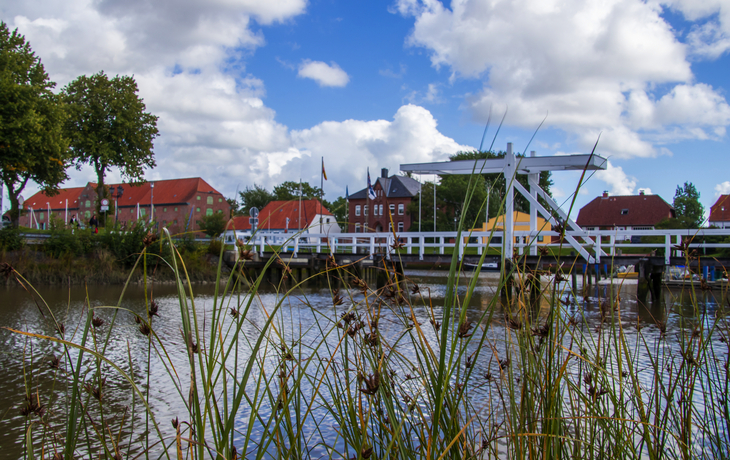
(116, 193)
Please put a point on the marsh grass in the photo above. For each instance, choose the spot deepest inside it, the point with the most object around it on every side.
(375, 372)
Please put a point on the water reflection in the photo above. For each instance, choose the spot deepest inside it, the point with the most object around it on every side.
(298, 327)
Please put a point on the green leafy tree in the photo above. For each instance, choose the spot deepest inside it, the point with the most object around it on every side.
(108, 127)
(687, 207)
(338, 208)
(32, 147)
(256, 196)
(213, 225)
(289, 190)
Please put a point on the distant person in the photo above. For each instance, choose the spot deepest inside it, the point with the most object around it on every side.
(94, 223)
(74, 221)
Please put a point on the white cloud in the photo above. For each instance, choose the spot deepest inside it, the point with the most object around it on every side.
(324, 74)
(351, 146)
(618, 181)
(591, 65)
(722, 189)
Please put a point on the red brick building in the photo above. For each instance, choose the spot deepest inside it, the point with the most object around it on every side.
(175, 203)
(720, 212)
(392, 196)
(629, 212)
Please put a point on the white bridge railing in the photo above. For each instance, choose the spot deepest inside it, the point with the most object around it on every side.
(600, 244)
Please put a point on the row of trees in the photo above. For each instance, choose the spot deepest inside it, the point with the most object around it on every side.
(94, 121)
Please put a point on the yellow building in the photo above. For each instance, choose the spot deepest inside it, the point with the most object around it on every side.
(521, 222)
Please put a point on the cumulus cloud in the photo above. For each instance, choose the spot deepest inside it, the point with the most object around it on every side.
(592, 65)
(324, 74)
(618, 181)
(722, 189)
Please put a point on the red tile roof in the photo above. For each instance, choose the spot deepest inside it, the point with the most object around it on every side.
(166, 192)
(640, 210)
(58, 202)
(241, 223)
(274, 214)
(720, 211)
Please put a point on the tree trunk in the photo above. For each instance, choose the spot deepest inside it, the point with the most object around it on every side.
(13, 194)
(101, 193)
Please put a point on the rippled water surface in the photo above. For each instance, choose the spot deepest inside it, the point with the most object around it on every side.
(24, 362)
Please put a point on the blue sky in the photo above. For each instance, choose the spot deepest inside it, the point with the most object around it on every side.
(257, 91)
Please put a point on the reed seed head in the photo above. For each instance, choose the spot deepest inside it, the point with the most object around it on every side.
(154, 308)
(149, 239)
(6, 270)
(464, 329)
(97, 322)
(144, 328)
(55, 362)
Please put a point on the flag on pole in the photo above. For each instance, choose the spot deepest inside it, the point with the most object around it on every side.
(324, 174)
(371, 192)
(347, 194)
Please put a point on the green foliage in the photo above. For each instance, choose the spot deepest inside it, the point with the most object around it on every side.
(125, 244)
(497, 184)
(256, 196)
(488, 190)
(32, 147)
(213, 225)
(70, 242)
(108, 127)
(338, 208)
(687, 206)
(215, 247)
(289, 190)
(10, 239)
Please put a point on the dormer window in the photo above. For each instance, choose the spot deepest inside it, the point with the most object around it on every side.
(624, 211)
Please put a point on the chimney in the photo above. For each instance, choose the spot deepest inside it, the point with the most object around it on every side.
(605, 194)
(384, 173)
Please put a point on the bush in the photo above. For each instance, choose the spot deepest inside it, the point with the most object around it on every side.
(125, 244)
(74, 242)
(215, 246)
(10, 239)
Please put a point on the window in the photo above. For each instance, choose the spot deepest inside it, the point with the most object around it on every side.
(88, 203)
(328, 220)
(624, 211)
(87, 214)
(198, 197)
(540, 239)
(390, 227)
(175, 208)
(209, 212)
(365, 210)
(131, 211)
(381, 209)
(164, 209)
(40, 215)
(357, 210)
(401, 209)
(400, 227)
(357, 228)
(210, 200)
(142, 211)
(392, 209)
(174, 221)
(375, 209)
(197, 209)
(220, 200)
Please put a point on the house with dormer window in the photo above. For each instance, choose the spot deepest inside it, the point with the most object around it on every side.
(387, 212)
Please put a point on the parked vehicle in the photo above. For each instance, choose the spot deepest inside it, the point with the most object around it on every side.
(6, 222)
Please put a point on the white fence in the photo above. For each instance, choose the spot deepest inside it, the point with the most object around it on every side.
(599, 244)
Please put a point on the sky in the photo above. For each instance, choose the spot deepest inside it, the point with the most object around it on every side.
(258, 92)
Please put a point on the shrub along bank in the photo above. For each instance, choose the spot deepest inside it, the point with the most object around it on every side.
(78, 256)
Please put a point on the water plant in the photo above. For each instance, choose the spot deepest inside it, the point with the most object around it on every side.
(375, 371)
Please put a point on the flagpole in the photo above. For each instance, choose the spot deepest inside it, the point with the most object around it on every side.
(299, 222)
(321, 194)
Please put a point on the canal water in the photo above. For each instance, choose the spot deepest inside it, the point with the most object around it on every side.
(25, 362)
